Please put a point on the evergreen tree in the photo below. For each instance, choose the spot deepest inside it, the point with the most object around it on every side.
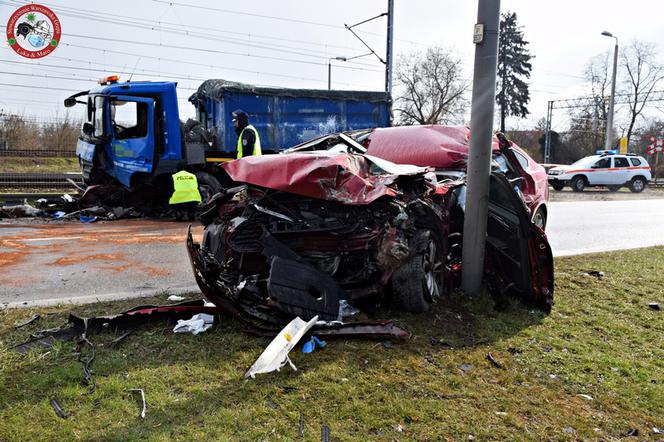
(513, 69)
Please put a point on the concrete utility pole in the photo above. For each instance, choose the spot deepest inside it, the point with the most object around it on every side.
(481, 132)
(329, 69)
(389, 59)
(608, 141)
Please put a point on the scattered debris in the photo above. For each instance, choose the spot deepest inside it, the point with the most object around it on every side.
(596, 273)
(312, 344)
(275, 356)
(325, 434)
(87, 380)
(58, 409)
(197, 324)
(466, 367)
(632, 432)
(398, 428)
(568, 430)
(87, 219)
(493, 360)
(30, 320)
(388, 345)
(21, 211)
(271, 404)
(500, 413)
(656, 430)
(301, 430)
(654, 306)
(176, 298)
(586, 396)
(144, 404)
(514, 351)
(346, 310)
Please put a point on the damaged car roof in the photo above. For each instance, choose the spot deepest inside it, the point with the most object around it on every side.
(442, 147)
(342, 177)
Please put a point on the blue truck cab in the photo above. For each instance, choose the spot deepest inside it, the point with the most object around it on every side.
(133, 136)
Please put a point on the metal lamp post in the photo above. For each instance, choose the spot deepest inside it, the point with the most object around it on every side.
(329, 70)
(609, 117)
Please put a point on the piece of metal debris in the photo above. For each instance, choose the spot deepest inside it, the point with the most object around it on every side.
(596, 273)
(654, 306)
(144, 405)
(58, 409)
(301, 429)
(466, 367)
(30, 320)
(325, 434)
(656, 430)
(493, 361)
(271, 404)
(632, 432)
(586, 396)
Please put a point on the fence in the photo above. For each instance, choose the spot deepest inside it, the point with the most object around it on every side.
(41, 153)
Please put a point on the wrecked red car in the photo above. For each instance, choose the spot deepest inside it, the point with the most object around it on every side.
(321, 233)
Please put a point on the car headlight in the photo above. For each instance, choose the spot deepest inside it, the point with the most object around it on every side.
(555, 172)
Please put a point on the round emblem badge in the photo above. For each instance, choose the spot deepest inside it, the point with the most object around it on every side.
(33, 31)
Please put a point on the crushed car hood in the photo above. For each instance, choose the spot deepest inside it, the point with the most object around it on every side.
(442, 147)
(352, 179)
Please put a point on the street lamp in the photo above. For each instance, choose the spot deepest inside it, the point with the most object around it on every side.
(329, 70)
(609, 117)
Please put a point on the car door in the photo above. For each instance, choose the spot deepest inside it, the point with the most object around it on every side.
(132, 136)
(620, 174)
(519, 261)
(599, 173)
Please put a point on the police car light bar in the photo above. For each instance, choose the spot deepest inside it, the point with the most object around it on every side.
(607, 152)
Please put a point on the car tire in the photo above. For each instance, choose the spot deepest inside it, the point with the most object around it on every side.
(208, 186)
(558, 187)
(637, 184)
(613, 188)
(539, 218)
(418, 282)
(578, 183)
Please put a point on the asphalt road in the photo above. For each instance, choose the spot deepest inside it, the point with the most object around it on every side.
(577, 227)
(49, 263)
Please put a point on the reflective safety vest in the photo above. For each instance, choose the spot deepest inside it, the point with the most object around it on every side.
(257, 143)
(186, 188)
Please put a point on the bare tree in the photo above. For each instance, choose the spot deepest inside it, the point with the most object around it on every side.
(597, 74)
(641, 75)
(432, 88)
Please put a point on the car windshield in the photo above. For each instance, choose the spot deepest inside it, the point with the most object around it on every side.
(587, 161)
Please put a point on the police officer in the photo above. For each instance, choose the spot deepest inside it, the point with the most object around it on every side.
(248, 140)
(186, 196)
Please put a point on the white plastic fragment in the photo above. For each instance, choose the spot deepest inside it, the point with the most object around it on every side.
(586, 396)
(275, 355)
(197, 324)
(176, 298)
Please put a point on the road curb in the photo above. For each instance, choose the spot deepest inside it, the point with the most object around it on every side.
(92, 299)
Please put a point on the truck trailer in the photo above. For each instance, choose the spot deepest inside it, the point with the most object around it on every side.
(133, 139)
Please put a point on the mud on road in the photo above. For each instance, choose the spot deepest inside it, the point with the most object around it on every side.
(56, 260)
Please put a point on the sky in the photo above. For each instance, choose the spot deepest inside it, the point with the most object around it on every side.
(288, 43)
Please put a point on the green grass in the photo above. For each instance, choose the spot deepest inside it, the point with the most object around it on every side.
(38, 165)
(601, 340)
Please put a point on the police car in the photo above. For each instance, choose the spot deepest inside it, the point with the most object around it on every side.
(607, 168)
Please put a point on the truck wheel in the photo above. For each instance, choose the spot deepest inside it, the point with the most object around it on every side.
(637, 184)
(208, 186)
(558, 186)
(613, 188)
(578, 183)
(418, 281)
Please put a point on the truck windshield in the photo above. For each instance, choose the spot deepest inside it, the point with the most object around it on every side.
(99, 116)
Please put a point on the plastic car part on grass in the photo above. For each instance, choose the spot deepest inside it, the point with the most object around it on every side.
(275, 356)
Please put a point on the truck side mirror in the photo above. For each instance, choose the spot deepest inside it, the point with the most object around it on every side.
(88, 129)
(70, 102)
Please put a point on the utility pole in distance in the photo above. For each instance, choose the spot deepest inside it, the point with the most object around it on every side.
(481, 132)
(389, 58)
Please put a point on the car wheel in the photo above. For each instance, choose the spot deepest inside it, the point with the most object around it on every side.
(417, 283)
(208, 186)
(539, 218)
(637, 184)
(578, 183)
(613, 188)
(557, 186)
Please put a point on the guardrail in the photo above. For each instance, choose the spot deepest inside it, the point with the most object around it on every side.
(42, 153)
(39, 180)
